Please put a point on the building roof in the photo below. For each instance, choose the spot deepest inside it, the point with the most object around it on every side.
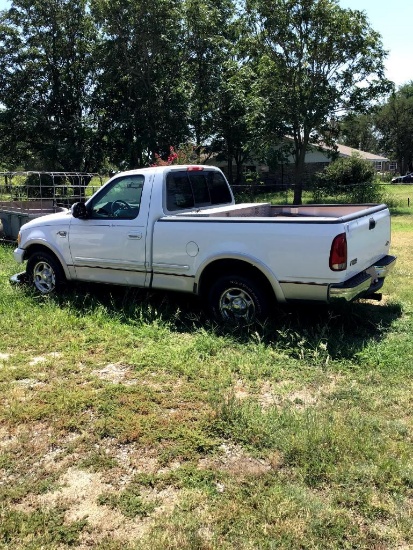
(345, 151)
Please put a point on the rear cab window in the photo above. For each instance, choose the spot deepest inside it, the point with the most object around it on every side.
(191, 189)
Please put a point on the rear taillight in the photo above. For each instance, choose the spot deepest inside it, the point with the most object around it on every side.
(338, 253)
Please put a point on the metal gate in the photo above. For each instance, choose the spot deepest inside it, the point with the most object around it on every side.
(28, 195)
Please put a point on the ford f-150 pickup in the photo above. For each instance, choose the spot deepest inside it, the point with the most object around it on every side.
(178, 228)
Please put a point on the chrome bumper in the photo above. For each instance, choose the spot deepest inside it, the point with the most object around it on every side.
(19, 255)
(351, 289)
(18, 278)
(384, 266)
(363, 284)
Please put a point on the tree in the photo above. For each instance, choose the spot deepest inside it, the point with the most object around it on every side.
(313, 61)
(208, 39)
(139, 95)
(359, 132)
(394, 121)
(45, 83)
(233, 139)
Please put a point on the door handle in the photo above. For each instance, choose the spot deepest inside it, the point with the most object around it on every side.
(136, 236)
(372, 223)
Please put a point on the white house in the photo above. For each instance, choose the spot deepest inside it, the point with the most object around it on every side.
(316, 159)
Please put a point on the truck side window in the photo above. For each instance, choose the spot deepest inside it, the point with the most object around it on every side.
(121, 199)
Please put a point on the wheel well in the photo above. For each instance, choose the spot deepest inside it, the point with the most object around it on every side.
(38, 248)
(220, 268)
(41, 248)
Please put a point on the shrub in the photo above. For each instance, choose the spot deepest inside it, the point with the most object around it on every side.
(39, 185)
(352, 179)
(185, 154)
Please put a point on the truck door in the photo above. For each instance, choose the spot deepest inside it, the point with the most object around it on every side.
(109, 245)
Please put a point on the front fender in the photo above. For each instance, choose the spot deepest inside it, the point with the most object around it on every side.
(22, 254)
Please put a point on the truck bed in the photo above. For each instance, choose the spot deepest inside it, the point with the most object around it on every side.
(267, 210)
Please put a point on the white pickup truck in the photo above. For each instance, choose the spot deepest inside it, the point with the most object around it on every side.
(178, 228)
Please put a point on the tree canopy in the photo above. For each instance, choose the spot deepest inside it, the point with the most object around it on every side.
(46, 67)
(394, 123)
(88, 84)
(314, 61)
(386, 130)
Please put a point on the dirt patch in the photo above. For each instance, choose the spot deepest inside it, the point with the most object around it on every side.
(79, 496)
(56, 458)
(7, 439)
(44, 358)
(277, 394)
(130, 460)
(116, 373)
(29, 383)
(234, 460)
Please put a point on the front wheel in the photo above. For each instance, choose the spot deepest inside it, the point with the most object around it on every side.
(44, 272)
(238, 300)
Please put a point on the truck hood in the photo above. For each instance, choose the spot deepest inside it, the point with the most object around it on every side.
(60, 218)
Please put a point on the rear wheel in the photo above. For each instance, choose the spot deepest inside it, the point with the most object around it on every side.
(239, 300)
(44, 272)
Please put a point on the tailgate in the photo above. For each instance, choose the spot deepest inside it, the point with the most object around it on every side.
(368, 239)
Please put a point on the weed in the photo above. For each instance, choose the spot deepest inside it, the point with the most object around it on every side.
(129, 502)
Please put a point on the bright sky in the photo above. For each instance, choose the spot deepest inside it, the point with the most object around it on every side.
(393, 20)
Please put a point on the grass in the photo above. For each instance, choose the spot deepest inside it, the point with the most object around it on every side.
(130, 421)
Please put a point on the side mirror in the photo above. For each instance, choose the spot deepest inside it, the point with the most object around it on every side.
(79, 210)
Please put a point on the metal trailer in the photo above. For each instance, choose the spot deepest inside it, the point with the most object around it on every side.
(28, 195)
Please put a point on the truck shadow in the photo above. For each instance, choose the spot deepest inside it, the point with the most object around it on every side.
(301, 329)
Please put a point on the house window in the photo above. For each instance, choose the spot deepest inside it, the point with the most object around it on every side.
(379, 165)
(392, 166)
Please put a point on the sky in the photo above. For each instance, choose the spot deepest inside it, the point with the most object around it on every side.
(393, 20)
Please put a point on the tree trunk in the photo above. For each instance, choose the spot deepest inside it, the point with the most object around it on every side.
(229, 168)
(300, 154)
(298, 181)
(298, 192)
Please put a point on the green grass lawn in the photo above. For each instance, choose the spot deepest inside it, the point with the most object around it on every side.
(130, 421)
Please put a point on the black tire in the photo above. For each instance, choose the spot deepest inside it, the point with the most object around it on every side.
(44, 272)
(238, 300)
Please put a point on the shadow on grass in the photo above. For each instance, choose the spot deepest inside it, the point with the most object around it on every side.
(400, 212)
(301, 329)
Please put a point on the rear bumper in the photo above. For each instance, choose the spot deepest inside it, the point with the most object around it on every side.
(384, 266)
(363, 284)
(351, 289)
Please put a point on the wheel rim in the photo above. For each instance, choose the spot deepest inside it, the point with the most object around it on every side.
(236, 304)
(44, 277)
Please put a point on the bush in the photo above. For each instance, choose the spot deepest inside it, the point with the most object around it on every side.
(351, 179)
(43, 185)
(39, 186)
